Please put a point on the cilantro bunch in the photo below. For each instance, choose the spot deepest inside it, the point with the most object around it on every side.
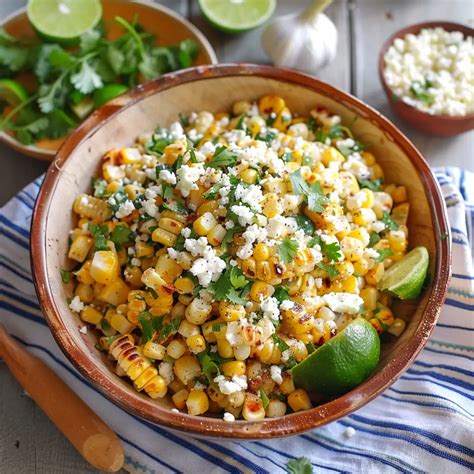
(69, 83)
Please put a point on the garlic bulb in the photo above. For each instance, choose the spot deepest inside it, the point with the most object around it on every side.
(306, 41)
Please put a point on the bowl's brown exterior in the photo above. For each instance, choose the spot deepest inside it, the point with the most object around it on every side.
(438, 125)
(215, 88)
(167, 25)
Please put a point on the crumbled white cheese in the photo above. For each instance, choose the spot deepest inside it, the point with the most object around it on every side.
(286, 305)
(125, 209)
(196, 246)
(150, 207)
(208, 268)
(269, 307)
(244, 214)
(228, 387)
(76, 304)
(229, 417)
(165, 369)
(167, 177)
(251, 195)
(343, 302)
(245, 251)
(275, 372)
(188, 177)
(186, 232)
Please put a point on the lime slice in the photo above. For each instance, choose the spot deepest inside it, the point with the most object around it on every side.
(235, 16)
(64, 20)
(405, 278)
(12, 92)
(108, 92)
(341, 363)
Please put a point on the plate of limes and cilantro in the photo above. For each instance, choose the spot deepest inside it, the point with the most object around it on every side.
(62, 59)
(352, 356)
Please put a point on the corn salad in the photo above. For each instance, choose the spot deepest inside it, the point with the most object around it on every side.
(216, 254)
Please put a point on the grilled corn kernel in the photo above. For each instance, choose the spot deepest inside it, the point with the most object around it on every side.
(299, 400)
(232, 368)
(179, 398)
(216, 235)
(198, 311)
(275, 409)
(196, 343)
(224, 348)
(197, 402)
(204, 224)
(121, 324)
(80, 248)
(397, 327)
(152, 350)
(187, 368)
(231, 312)
(176, 348)
(261, 252)
(85, 293)
(91, 315)
(261, 290)
(163, 237)
(253, 408)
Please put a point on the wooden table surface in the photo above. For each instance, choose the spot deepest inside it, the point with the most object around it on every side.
(28, 441)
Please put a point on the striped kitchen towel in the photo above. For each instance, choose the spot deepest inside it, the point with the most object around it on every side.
(423, 423)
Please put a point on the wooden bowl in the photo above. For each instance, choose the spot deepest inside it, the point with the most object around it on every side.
(167, 25)
(438, 125)
(215, 88)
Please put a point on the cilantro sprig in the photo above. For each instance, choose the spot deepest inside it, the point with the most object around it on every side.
(287, 250)
(222, 157)
(312, 193)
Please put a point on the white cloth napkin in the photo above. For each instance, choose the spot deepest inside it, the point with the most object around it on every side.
(423, 423)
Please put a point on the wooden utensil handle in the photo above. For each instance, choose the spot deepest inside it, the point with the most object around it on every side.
(97, 443)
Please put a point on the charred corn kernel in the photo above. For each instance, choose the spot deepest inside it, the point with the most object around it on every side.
(176, 348)
(131, 156)
(184, 285)
(397, 240)
(143, 250)
(216, 235)
(170, 225)
(368, 197)
(369, 158)
(376, 324)
(115, 292)
(85, 293)
(325, 313)
(241, 107)
(144, 378)
(345, 268)
(269, 352)
(80, 248)
(242, 352)
(121, 324)
(261, 252)
(185, 299)
(377, 171)
(196, 344)
(138, 367)
(249, 267)
(231, 312)
(236, 399)
(92, 208)
(187, 329)
(352, 248)
(385, 316)
(156, 387)
(168, 268)
(385, 299)
(299, 400)
(253, 408)
(197, 402)
(350, 285)
(187, 368)
(277, 186)
(383, 202)
(271, 104)
(271, 205)
(91, 315)
(163, 237)
(397, 327)
(179, 398)
(204, 224)
(152, 350)
(399, 195)
(369, 294)
(152, 279)
(249, 176)
(236, 367)
(104, 266)
(112, 187)
(136, 300)
(275, 409)
(374, 275)
(215, 394)
(133, 191)
(361, 267)
(198, 311)
(208, 206)
(331, 154)
(261, 290)
(224, 348)
(176, 385)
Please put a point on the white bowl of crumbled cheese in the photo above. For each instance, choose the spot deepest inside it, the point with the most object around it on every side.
(427, 71)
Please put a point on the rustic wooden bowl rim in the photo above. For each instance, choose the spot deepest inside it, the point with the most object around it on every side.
(415, 29)
(48, 155)
(289, 424)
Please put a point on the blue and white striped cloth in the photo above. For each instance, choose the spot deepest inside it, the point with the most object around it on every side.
(423, 423)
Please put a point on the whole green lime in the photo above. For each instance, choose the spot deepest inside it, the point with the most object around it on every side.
(342, 363)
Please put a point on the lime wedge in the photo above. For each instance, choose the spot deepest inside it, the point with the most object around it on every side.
(341, 363)
(12, 92)
(405, 278)
(108, 92)
(235, 16)
(63, 21)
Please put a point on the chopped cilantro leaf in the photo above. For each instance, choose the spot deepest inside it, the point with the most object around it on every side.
(281, 344)
(100, 234)
(347, 150)
(99, 186)
(184, 120)
(235, 298)
(222, 157)
(237, 278)
(264, 398)
(316, 198)
(374, 238)
(213, 192)
(388, 221)
(287, 250)
(281, 294)
(121, 235)
(305, 223)
(217, 327)
(373, 185)
(330, 269)
(383, 254)
(176, 206)
(179, 244)
(65, 276)
(145, 320)
(170, 328)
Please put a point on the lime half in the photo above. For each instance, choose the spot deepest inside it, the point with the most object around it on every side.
(108, 92)
(236, 16)
(341, 363)
(64, 20)
(12, 92)
(405, 278)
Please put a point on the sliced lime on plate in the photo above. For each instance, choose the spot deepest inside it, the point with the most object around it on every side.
(63, 21)
(108, 92)
(12, 92)
(341, 363)
(405, 278)
(236, 16)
